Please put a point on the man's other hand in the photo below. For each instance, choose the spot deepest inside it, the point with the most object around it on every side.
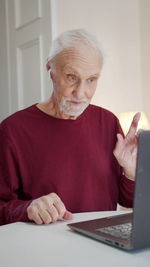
(48, 209)
(126, 149)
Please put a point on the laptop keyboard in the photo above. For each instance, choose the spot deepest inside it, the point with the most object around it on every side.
(122, 231)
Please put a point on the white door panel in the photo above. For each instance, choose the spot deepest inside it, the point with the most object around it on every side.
(29, 78)
(24, 14)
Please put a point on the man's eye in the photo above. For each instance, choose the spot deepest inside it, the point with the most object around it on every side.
(91, 80)
(71, 78)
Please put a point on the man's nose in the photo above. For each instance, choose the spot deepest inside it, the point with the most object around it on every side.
(79, 91)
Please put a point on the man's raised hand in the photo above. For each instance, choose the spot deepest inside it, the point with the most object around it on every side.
(126, 149)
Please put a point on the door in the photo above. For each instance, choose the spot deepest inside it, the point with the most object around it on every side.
(30, 34)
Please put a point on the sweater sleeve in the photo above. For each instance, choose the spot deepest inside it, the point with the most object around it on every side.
(126, 192)
(126, 186)
(12, 205)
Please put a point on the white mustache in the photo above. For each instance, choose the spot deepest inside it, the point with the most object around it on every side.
(76, 100)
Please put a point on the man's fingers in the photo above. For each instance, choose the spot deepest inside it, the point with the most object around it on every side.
(37, 219)
(53, 213)
(58, 204)
(47, 204)
(33, 215)
(45, 216)
(44, 213)
(120, 138)
(60, 207)
(133, 128)
(68, 215)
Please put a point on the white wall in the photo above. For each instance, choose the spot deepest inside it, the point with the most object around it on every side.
(116, 25)
(145, 53)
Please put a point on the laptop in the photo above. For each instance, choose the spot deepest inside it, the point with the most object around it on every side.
(128, 231)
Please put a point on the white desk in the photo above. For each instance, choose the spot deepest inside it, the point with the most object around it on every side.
(55, 245)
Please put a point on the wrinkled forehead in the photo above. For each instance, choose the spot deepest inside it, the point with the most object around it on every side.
(81, 55)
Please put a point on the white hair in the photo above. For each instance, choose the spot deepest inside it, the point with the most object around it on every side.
(70, 38)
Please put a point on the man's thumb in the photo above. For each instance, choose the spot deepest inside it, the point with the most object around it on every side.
(68, 215)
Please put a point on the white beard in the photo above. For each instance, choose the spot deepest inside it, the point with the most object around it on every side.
(73, 109)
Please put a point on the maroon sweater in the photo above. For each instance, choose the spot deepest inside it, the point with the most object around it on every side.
(40, 154)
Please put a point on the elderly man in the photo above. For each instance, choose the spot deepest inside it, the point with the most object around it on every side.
(66, 155)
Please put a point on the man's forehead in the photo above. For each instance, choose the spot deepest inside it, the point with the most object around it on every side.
(80, 53)
(80, 61)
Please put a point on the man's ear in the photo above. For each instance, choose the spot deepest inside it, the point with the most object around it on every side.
(48, 67)
(51, 74)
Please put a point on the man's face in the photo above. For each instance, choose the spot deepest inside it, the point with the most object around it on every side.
(75, 75)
